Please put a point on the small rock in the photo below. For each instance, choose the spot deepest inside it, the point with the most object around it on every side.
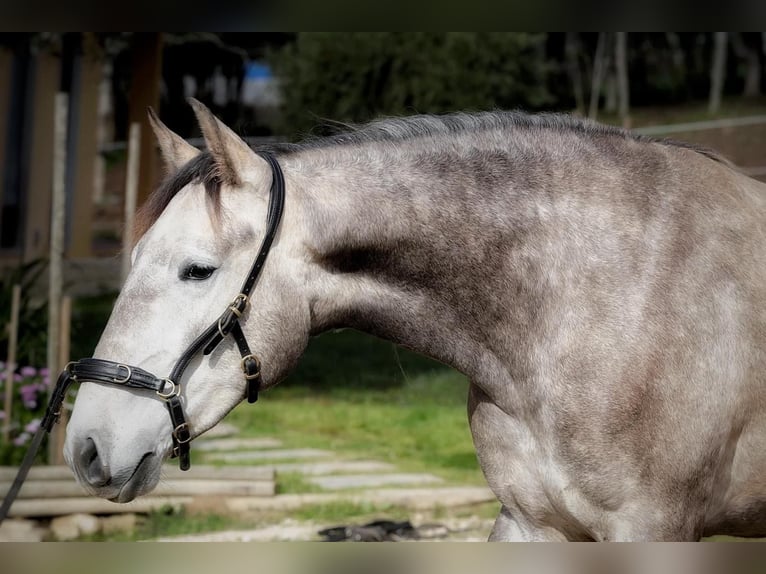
(125, 523)
(21, 530)
(73, 526)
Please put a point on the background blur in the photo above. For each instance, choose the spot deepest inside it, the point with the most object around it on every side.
(353, 394)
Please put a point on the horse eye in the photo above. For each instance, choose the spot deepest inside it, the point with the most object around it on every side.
(197, 272)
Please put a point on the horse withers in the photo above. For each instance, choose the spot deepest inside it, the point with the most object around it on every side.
(605, 294)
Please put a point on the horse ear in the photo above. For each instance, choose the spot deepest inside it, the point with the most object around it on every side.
(175, 151)
(232, 155)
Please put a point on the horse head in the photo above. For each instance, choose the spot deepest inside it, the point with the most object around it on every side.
(198, 235)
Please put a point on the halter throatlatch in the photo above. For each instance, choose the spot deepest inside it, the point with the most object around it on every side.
(168, 389)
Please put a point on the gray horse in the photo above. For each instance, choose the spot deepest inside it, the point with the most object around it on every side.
(605, 294)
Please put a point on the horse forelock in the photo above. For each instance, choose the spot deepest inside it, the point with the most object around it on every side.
(202, 169)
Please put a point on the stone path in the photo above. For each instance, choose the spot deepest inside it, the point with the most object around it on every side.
(372, 482)
(330, 472)
(333, 477)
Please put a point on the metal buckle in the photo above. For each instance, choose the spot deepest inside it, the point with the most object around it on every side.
(175, 390)
(126, 379)
(234, 307)
(241, 297)
(244, 369)
(179, 428)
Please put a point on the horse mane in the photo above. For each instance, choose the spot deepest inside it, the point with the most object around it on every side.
(391, 130)
(398, 129)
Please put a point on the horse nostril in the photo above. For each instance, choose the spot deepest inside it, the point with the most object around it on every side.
(96, 473)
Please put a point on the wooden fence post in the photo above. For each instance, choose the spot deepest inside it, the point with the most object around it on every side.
(58, 214)
(131, 194)
(58, 434)
(10, 365)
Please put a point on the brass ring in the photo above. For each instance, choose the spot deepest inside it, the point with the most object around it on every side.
(175, 433)
(69, 371)
(126, 379)
(175, 390)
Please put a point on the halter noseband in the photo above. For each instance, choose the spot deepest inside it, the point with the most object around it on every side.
(169, 389)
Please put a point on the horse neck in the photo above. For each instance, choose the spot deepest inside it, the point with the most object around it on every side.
(411, 251)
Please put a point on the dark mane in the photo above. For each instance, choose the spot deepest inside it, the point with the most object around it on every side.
(202, 168)
(404, 128)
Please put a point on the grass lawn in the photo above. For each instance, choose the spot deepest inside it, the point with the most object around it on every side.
(366, 398)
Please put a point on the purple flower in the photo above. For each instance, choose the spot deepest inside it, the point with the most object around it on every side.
(44, 372)
(2, 415)
(28, 372)
(29, 396)
(32, 426)
(46, 381)
(22, 439)
(17, 378)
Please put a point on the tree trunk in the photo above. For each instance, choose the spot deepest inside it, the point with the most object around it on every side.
(717, 71)
(598, 73)
(610, 92)
(621, 66)
(752, 65)
(572, 50)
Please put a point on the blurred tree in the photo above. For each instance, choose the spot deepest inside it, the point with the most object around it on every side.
(572, 50)
(621, 65)
(747, 48)
(356, 76)
(597, 78)
(717, 71)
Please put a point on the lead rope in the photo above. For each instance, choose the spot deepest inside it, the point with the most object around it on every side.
(108, 372)
(50, 418)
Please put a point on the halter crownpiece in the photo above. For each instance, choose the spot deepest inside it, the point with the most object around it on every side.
(168, 389)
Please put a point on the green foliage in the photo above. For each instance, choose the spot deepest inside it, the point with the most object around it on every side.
(170, 521)
(343, 510)
(33, 313)
(30, 397)
(365, 398)
(89, 317)
(357, 76)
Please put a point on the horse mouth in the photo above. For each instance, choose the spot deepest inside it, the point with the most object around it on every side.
(140, 482)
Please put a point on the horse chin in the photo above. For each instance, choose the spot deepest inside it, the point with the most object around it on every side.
(143, 480)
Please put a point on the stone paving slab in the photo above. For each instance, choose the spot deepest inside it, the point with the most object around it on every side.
(426, 498)
(334, 467)
(341, 482)
(20, 530)
(275, 454)
(223, 444)
(274, 533)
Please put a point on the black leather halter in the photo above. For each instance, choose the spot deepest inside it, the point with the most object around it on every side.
(168, 389)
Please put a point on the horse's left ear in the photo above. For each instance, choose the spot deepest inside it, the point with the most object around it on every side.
(233, 157)
(175, 151)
